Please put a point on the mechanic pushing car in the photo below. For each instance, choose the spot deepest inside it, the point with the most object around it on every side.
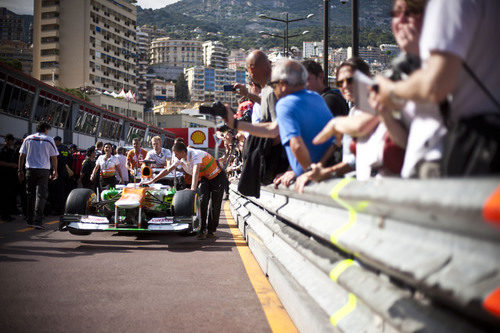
(204, 170)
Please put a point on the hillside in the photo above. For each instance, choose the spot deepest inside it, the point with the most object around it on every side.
(237, 22)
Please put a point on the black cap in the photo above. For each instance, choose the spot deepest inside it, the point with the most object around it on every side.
(9, 137)
(57, 138)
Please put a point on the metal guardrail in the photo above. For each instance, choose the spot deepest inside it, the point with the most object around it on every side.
(382, 255)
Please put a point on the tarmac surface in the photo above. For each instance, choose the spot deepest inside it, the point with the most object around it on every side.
(52, 281)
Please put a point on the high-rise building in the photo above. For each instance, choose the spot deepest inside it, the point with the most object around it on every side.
(11, 25)
(214, 54)
(145, 35)
(175, 52)
(85, 43)
(237, 59)
(207, 84)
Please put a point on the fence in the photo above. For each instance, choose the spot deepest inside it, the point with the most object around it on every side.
(382, 255)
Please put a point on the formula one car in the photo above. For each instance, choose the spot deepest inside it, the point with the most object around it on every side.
(132, 208)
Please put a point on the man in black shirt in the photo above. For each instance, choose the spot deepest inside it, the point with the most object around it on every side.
(8, 170)
(315, 82)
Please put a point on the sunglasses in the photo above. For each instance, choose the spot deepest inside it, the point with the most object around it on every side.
(340, 83)
(397, 13)
(275, 83)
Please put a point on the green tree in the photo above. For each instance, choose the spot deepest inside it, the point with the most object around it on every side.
(13, 63)
(181, 89)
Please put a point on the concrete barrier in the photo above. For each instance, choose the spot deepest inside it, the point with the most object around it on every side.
(382, 255)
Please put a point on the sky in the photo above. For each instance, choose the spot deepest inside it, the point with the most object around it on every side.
(23, 7)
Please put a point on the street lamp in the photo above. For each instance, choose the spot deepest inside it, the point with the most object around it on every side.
(286, 21)
(285, 38)
(355, 33)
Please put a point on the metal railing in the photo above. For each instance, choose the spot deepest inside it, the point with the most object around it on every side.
(380, 255)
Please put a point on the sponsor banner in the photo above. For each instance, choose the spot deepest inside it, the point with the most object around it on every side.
(94, 219)
(162, 220)
(198, 137)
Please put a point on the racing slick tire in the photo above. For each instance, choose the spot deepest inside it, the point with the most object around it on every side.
(185, 203)
(79, 202)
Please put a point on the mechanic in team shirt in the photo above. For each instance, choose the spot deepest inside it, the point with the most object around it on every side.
(204, 170)
(160, 155)
(108, 165)
(135, 156)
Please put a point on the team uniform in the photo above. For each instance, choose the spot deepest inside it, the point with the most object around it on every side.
(211, 185)
(107, 168)
(135, 160)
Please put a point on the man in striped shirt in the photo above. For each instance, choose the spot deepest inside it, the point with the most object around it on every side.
(39, 152)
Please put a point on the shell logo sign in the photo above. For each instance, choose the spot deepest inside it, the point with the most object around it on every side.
(198, 137)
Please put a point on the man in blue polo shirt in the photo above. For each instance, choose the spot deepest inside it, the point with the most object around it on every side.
(300, 116)
(39, 152)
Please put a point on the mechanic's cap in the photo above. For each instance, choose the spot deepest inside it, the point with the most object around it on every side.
(57, 138)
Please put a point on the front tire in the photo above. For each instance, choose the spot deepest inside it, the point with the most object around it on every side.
(185, 203)
(80, 202)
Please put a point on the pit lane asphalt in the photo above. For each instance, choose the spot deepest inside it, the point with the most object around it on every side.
(52, 281)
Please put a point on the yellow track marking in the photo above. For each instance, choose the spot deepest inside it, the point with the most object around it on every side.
(52, 222)
(25, 229)
(276, 315)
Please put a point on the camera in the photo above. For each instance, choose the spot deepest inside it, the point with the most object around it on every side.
(229, 87)
(217, 109)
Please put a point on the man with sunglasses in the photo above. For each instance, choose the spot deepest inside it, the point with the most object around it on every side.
(300, 115)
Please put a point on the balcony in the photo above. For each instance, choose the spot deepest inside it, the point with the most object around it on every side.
(49, 33)
(50, 8)
(50, 20)
(50, 57)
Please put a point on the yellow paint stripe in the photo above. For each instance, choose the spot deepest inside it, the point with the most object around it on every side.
(345, 310)
(52, 222)
(352, 212)
(340, 268)
(25, 229)
(276, 315)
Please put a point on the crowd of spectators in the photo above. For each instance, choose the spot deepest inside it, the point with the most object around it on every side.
(434, 114)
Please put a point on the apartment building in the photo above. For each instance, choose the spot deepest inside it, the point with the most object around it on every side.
(175, 52)
(206, 84)
(16, 49)
(162, 91)
(85, 43)
(145, 35)
(214, 54)
(11, 25)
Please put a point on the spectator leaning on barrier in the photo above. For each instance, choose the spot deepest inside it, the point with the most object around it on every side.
(257, 149)
(301, 114)
(357, 124)
(39, 152)
(8, 167)
(206, 172)
(421, 136)
(459, 47)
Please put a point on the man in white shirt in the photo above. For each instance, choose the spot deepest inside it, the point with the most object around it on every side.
(158, 154)
(121, 156)
(39, 152)
(454, 33)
